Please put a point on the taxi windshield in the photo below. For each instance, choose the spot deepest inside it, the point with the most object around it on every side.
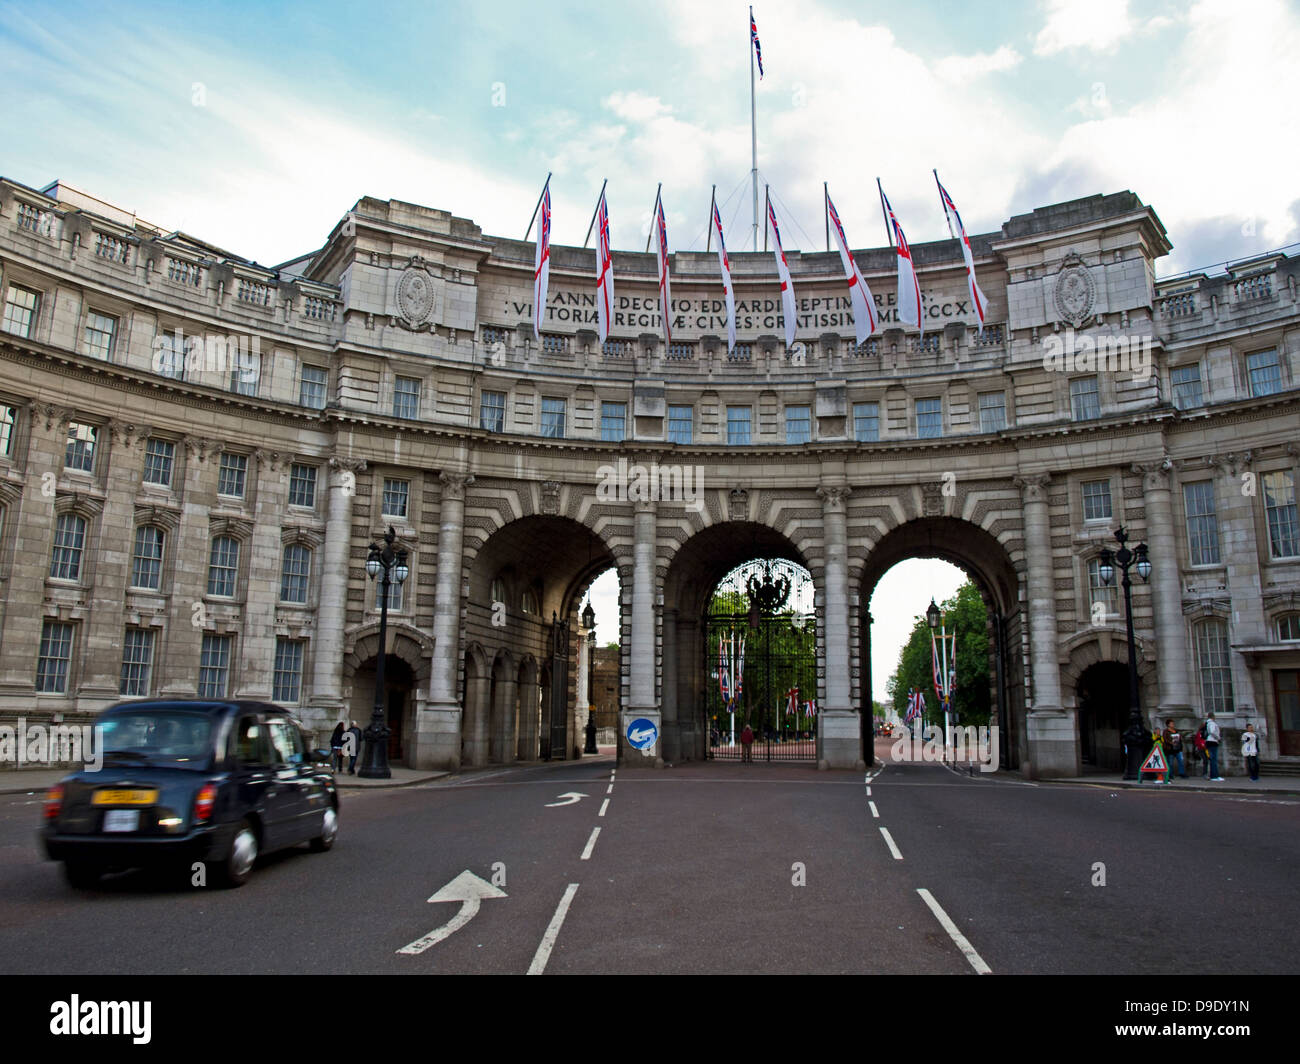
(159, 737)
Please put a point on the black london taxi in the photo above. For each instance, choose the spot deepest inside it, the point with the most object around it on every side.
(184, 781)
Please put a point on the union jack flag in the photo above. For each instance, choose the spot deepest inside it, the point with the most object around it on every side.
(978, 301)
(542, 263)
(725, 263)
(943, 651)
(792, 700)
(604, 271)
(909, 289)
(665, 296)
(753, 36)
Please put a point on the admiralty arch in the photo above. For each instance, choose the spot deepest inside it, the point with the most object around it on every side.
(196, 452)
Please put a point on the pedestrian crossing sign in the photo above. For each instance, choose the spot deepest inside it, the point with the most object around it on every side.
(1155, 763)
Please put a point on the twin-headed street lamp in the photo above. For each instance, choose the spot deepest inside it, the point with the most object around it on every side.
(589, 623)
(392, 563)
(1136, 736)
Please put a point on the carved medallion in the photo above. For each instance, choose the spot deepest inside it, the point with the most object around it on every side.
(1076, 291)
(415, 295)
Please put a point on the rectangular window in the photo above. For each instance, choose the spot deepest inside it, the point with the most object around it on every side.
(69, 542)
(21, 306)
(798, 424)
(245, 369)
(1099, 592)
(159, 456)
(100, 331)
(288, 670)
(492, 411)
(1280, 510)
(1096, 500)
(55, 658)
(295, 572)
(8, 423)
(395, 598)
(1085, 402)
(553, 418)
(146, 560)
(137, 661)
(1216, 673)
(738, 419)
(681, 424)
(214, 666)
(406, 398)
(169, 357)
(397, 496)
(1265, 373)
(302, 486)
(866, 422)
(1186, 382)
(993, 411)
(314, 387)
(929, 418)
(613, 421)
(80, 454)
(1202, 523)
(223, 566)
(232, 475)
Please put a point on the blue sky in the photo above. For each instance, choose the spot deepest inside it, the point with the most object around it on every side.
(256, 126)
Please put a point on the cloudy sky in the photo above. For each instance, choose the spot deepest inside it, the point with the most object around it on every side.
(256, 126)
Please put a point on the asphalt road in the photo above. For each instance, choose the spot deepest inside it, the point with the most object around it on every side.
(710, 869)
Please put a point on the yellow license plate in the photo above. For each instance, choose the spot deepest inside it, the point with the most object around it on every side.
(124, 798)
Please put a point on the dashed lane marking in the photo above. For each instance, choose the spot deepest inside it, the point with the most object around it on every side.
(875, 813)
(890, 843)
(591, 843)
(603, 806)
(976, 961)
(547, 944)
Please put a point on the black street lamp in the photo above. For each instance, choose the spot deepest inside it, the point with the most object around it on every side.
(392, 563)
(589, 622)
(1135, 737)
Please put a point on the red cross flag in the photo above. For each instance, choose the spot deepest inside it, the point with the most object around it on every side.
(725, 263)
(977, 300)
(783, 271)
(542, 263)
(665, 295)
(864, 306)
(909, 289)
(604, 271)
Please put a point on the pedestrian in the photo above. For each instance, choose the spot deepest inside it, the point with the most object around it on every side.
(1250, 751)
(746, 744)
(354, 733)
(336, 747)
(1202, 762)
(1212, 736)
(1174, 750)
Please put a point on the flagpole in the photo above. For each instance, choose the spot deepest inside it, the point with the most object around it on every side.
(594, 213)
(826, 213)
(884, 214)
(946, 218)
(753, 124)
(713, 199)
(654, 216)
(539, 205)
(767, 206)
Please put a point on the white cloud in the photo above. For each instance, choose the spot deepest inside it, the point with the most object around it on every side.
(962, 68)
(1094, 24)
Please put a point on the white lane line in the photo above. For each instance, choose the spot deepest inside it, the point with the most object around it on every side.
(875, 813)
(591, 842)
(603, 806)
(547, 944)
(868, 792)
(890, 843)
(609, 789)
(976, 961)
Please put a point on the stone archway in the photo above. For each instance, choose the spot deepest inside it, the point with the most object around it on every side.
(407, 667)
(1094, 681)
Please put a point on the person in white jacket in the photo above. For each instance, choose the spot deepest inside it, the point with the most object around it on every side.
(1212, 737)
(1250, 751)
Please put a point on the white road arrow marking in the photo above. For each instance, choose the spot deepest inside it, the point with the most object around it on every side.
(570, 797)
(467, 889)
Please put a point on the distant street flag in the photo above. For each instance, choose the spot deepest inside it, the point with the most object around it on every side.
(604, 272)
(725, 264)
(753, 36)
(909, 289)
(542, 263)
(977, 299)
(792, 700)
(864, 306)
(665, 295)
(783, 270)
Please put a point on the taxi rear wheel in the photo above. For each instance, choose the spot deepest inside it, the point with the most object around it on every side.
(238, 865)
(328, 833)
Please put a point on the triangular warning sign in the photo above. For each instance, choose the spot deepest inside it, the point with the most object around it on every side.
(1155, 761)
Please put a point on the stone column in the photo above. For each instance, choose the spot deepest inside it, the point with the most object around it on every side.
(331, 615)
(839, 725)
(676, 732)
(477, 692)
(1241, 551)
(641, 697)
(529, 718)
(256, 647)
(437, 729)
(505, 739)
(1053, 733)
(1172, 668)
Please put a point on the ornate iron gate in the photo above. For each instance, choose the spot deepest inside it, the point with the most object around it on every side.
(778, 684)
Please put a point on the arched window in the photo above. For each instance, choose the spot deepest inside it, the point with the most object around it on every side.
(528, 603)
(146, 559)
(1212, 661)
(223, 566)
(1288, 627)
(498, 590)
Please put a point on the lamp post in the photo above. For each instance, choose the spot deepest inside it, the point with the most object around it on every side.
(1135, 737)
(392, 563)
(589, 622)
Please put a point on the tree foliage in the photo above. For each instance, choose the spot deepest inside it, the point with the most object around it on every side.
(965, 613)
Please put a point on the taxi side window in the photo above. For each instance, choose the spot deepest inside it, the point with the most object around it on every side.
(287, 740)
(250, 745)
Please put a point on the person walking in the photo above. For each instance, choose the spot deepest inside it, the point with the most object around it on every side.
(1174, 751)
(354, 733)
(747, 744)
(1250, 751)
(336, 748)
(1212, 737)
(1202, 758)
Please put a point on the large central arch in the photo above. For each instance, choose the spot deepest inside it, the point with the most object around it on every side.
(990, 564)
